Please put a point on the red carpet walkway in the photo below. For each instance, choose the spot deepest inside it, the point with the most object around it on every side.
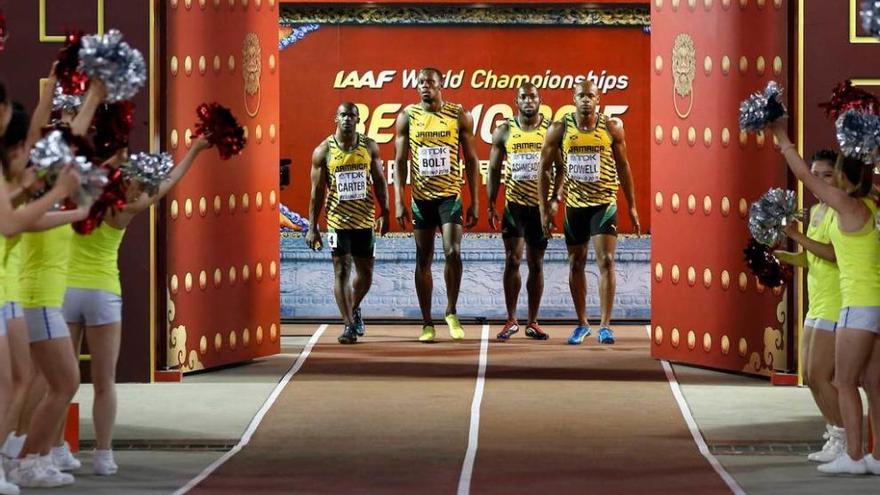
(391, 416)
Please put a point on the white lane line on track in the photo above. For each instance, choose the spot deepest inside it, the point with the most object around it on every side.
(467, 467)
(694, 429)
(258, 418)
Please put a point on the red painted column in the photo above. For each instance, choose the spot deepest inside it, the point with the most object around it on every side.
(707, 308)
(222, 220)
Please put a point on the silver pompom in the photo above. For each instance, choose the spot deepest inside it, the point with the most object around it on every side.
(50, 154)
(858, 134)
(869, 12)
(761, 108)
(64, 102)
(92, 181)
(113, 61)
(150, 170)
(771, 214)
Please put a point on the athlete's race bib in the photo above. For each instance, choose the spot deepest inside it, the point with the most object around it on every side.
(583, 167)
(524, 166)
(351, 185)
(434, 161)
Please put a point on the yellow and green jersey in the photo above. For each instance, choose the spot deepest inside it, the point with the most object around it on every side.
(590, 169)
(350, 200)
(94, 260)
(523, 149)
(823, 276)
(435, 167)
(858, 257)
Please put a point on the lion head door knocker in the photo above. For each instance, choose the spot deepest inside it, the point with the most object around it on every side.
(251, 71)
(683, 72)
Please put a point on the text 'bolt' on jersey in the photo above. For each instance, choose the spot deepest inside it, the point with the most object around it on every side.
(435, 167)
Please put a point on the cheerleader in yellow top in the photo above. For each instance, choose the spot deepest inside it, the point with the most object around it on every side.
(18, 135)
(823, 289)
(856, 241)
(93, 299)
(44, 257)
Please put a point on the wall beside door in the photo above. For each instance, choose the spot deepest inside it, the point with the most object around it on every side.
(36, 33)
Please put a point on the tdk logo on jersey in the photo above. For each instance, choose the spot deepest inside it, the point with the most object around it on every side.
(369, 79)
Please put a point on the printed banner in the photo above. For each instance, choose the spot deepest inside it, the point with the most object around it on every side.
(376, 67)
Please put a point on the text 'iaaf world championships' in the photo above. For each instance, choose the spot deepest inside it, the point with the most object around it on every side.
(479, 79)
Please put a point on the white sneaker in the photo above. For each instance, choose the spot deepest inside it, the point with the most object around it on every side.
(12, 446)
(872, 464)
(63, 459)
(6, 488)
(103, 463)
(35, 471)
(844, 464)
(834, 446)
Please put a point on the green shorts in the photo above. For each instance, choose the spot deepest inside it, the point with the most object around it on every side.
(433, 213)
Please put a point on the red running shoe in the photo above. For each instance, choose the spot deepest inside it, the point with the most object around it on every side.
(510, 328)
(534, 331)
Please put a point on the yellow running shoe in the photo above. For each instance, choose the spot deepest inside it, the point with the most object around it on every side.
(427, 334)
(455, 329)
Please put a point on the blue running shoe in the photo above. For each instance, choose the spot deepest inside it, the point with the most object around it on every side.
(606, 335)
(579, 334)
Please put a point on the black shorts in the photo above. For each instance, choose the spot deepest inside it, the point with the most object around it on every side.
(583, 223)
(359, 243)
(432, 213)
(521, 221)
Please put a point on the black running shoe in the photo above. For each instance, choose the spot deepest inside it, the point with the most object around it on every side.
(358, 323)
(348, 336)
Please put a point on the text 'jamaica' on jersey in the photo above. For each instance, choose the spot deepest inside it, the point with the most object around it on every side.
(350, 200)
(435, 167)
(523, 150)
(590, 169)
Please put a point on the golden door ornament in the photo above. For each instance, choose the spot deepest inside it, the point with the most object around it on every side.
(683, 72)
(251, 71)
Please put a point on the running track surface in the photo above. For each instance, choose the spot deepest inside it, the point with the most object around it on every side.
(392, 416)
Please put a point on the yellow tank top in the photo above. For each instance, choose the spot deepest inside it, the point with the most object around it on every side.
(823, 276)
(590, 170)
(94, 260)
(435, 169)
(2, 270)
(44, 261)
(858, 257)
(350, 200)
(12, 266)
(523, 162)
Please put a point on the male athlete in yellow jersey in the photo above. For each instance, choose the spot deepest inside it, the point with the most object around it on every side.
(516, 145)
(435, 136)
(594, 153)
(346, 167)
